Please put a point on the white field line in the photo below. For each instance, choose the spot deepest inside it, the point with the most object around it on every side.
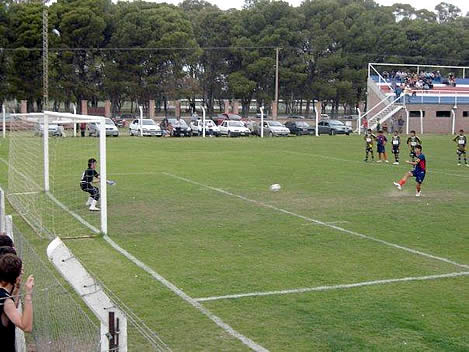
(333, 287)
(338, 228)
(132, 173)
(23, 193)
(245, 340)
(72, 213)
(361, 162)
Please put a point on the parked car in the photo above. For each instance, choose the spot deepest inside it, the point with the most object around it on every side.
(233, 128)
(211, 128)
(222, 117)
(324, 116)
(118, 121)
(54, 129)
(333, 127)
(296, 117)
(176, 127)
(266, 117)
(300, 128)
(273, 128)
(111, 129)
(148, 127)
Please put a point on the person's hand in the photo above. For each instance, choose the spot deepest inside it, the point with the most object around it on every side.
(29, 285)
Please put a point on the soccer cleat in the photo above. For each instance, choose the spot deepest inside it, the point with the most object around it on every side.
(399, 187)
(379, 161)
(467, 165)
(386, 161)
(459, 164)
(93, 206)
(418, 194)
(396, 163)
(88, 202)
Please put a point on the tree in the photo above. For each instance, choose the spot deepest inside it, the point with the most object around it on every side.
(447, 12)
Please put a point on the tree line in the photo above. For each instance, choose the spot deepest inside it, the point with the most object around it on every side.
(136, 51)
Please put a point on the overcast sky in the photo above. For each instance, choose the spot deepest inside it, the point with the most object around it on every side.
(418, 4)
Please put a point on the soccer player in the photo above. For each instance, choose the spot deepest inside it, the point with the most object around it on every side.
(381, 141)
(412, 141)
(420, 167)
(369, 139)
(461, 140)
(90, 176)
(396, 146)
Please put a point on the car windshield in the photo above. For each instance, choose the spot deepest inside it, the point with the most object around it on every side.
(275, 123)
(209, 123)
(175, 121)
(235, 124)
(109, 122)
(234, 117)
(148, 122)
(336, 123)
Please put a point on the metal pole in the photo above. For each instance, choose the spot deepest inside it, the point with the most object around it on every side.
(421, 121)
(203, 122)
(317, 120)
(359, 121)
(45, 142)
(407, 121)
(74, 125)
(262, 122)
(141, 120)
(453, 124)
(276, 80)
(4, 113)
(45, 56)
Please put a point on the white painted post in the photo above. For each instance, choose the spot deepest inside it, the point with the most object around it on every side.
(407, 121)
(317, 121)
(74, 125)
(2, 211)
(4, 113)
(203, 122)
(9, 227)
(359, 121)
(262, 121)
(45, 141)
(453, 122)
(89, 290)
(103, 174)
(141, 120)
(421, 121)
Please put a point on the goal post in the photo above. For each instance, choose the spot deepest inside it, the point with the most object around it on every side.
(45, 166)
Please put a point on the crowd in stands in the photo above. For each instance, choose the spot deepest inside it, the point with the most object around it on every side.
(11, 272)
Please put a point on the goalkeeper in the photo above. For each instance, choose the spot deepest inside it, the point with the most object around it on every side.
(90, 176)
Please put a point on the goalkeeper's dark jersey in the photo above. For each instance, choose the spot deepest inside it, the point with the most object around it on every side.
(461, 141)
(88, 175)
(412, 141)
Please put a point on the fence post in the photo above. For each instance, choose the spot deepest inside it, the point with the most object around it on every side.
(2, 211)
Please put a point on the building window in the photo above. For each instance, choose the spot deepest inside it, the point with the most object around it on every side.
(415, 113)
(465, 114)
(443, 113)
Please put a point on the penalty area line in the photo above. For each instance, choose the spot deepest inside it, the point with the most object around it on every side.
(338, 228)
(333, 287)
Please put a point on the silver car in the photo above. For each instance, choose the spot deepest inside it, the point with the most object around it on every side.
(273, 129)
(111, 129)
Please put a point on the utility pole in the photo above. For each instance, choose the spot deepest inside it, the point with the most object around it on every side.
(276, 81)
(45, 56)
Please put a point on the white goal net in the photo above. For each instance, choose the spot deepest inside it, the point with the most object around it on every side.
(45, 167)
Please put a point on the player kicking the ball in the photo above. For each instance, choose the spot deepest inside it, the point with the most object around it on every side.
(90, 176)
(420, 167)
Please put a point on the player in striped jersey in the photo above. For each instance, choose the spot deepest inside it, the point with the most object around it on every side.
(461, 141)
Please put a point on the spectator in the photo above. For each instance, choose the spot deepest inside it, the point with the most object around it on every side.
(82, 129)
(11, 317)
(400, 123)
(7, 250)
(378, 125)
(5, 240)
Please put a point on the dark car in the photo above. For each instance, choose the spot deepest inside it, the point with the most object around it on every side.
(176, 127)
(300, 128)
(222, 117)
(333, 127)
(296, 117)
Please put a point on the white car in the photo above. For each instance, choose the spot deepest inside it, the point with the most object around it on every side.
(111, 129)
(275, 128)
(211, 128)
(232, 128)
(148, 127)
(54, 129)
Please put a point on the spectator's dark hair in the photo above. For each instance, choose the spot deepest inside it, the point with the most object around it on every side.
(91, 161)
(380, 131)
(6, 241)
(418, 146)
(7, 250)
(461, 130)
(413, 131)
(10, 268)
(369, 129)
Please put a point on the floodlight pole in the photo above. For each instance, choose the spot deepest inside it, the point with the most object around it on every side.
(262, 121)
(141, 120)
(203, 122)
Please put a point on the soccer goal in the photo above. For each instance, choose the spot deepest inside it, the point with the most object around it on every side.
(45, 167)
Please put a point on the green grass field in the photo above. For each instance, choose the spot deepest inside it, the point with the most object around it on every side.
(200, 214)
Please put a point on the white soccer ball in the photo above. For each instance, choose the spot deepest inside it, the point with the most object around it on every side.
(275, 187)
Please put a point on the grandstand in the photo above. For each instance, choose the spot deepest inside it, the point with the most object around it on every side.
(442, 107)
